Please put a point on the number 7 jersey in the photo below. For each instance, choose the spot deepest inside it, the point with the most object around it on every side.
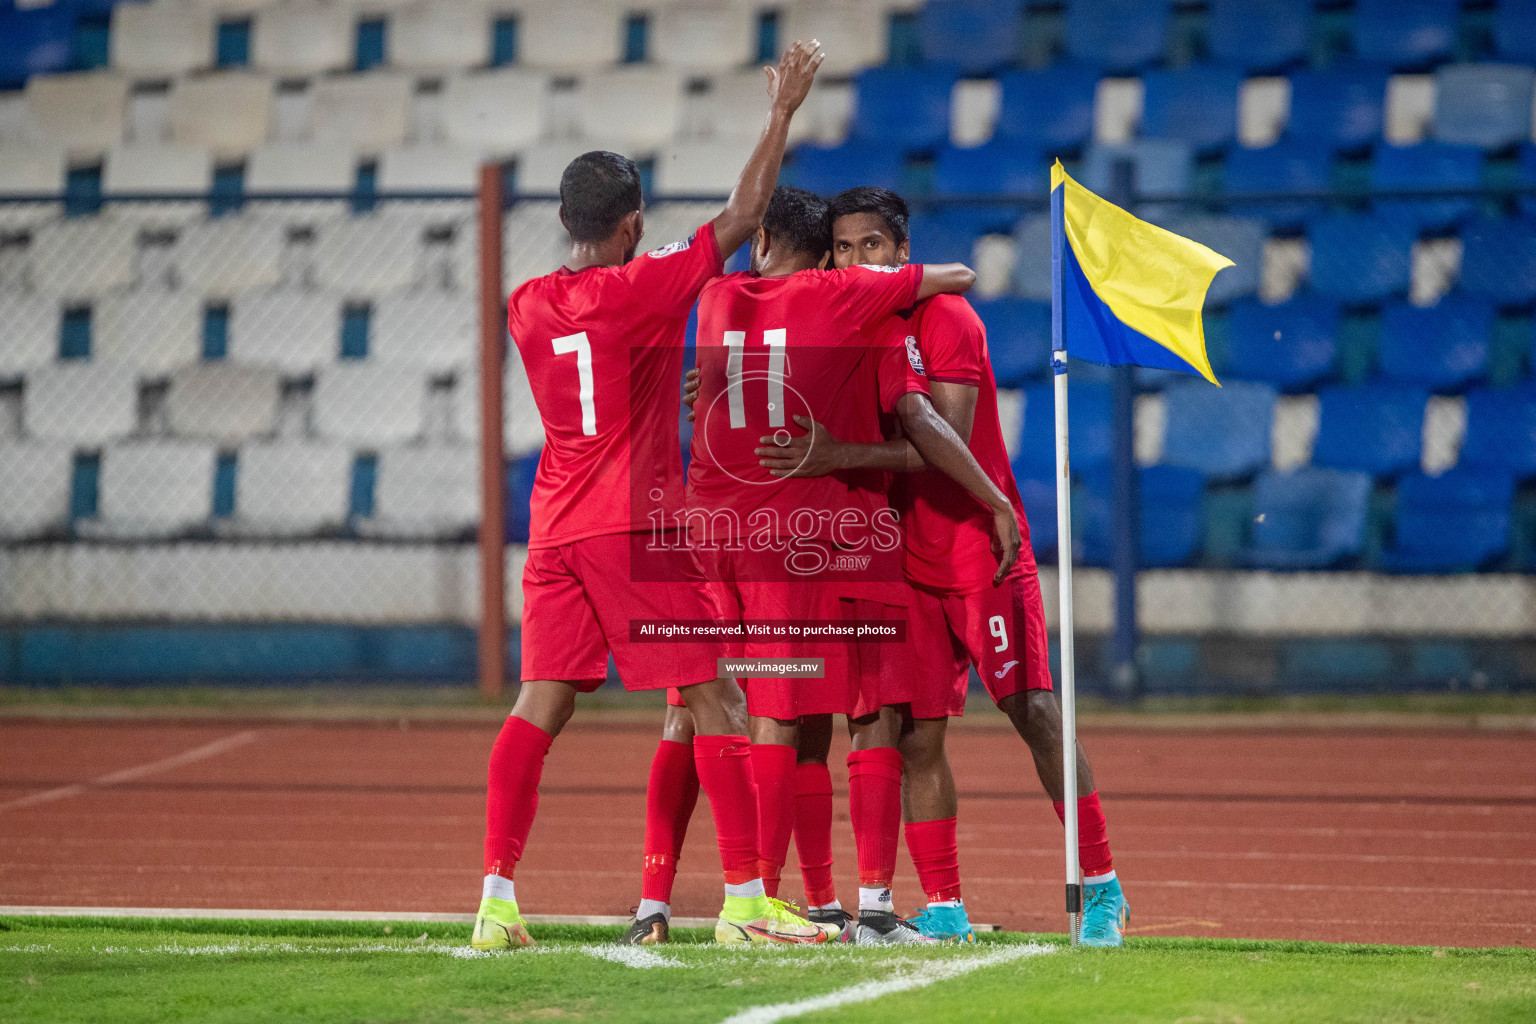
(603, 349)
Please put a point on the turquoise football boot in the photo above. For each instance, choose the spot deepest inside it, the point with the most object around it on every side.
(1105, 915)
(947, 924)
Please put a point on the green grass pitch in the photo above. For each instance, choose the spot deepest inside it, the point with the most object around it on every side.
(109, 971)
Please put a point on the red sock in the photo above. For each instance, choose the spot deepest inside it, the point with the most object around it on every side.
(1092, 835)
(670, 796)
(773, 769)
(813, 831)
(936, 855)
(874, 804)
(512, 793)
(725, 775)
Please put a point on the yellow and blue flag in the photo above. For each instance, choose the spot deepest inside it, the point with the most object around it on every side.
(1129, 291)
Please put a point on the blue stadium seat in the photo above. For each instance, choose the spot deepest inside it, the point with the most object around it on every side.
(1259, 35)
(905, 107)
(1117, 35)
(1196, 105)
(1514, 30)
(1359, 258)
(1443, 347)
(997, 168)
(1018, 338)
(1286, 167)
(35, 40)
(1371, 428)
(1406, 34)
(1038, 495)
(1426, 167)
(1308, 519)
(1290, 345)
(1051, 109)
(1239, 239)
(1171, 515)
(1526, 171)
(1458, 522)
(520, 474)
(1501, 431)
(1088, 405)
(1222, 432)
(830, 169)
(1486, 105)
(1163, 167)
(948, 236)
(1498, 260)
(1342, 107)
(975, 35)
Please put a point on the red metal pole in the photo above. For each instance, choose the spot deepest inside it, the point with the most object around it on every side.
(493, 329)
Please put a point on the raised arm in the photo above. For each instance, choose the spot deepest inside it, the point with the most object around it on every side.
(788, 85)
(945, 279)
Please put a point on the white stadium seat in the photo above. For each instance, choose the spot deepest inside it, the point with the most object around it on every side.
(149, 331)
(852, 32)
(493, 111)
(36, 495)
(31, 338)
(227, 256)
(301, 167)
(736, 107)
(369, 255)
(294, 331)
(82, 257)
(30, 169)
(222, 401)
(427, 490)
(428, 169)
(705, 34)
(540, 166)
(638, 107)
(303, 38)
(571, 35)
(82, 113)
(435, 331)
(532, 245)
(158, 168)
(228, 113)
(370, 403)
(368, 112)
(523, 431)
(155, 488)
(159, 40)
(289, 489)
(701, 168)
(88, 403)
(436, 35)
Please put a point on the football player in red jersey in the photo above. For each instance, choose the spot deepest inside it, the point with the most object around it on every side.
(602, 341)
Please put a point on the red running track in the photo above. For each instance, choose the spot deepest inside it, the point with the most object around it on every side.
(1422, 838)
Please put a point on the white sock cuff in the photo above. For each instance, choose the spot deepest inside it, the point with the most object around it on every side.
(875, 899)
(498, 888)
(947, 903)
(649, 907)
(746, 890)
(834, 905)
(1108, 876)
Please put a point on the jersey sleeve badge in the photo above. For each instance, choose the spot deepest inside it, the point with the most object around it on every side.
(878, 268)
(915, 357)
(668, 250)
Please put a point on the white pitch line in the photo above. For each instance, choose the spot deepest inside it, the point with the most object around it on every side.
(864, 991)
(385, 916)
(218, 746)
(631, 956)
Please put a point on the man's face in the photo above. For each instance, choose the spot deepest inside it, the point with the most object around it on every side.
(865, 239)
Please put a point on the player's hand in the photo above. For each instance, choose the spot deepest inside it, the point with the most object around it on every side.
(814, 453)
(1006, 542)
(691, 390)
(790, 82)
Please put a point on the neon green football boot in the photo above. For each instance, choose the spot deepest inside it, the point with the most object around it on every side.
(746, 919)
(498, 925)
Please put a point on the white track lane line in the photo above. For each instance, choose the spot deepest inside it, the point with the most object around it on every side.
(902, 981)
(207, 750)
(631, 956)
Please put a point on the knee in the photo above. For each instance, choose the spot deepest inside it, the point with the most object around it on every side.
(922, 748)
(548, 705)
(1034, 714)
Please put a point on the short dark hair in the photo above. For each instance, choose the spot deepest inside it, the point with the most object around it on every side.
(798, 219)
(597, 190)
(882, 202)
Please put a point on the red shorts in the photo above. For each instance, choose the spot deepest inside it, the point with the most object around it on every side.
(1000, 630)
(578, 600)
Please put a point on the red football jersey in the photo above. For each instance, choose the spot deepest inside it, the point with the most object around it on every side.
(771, 348)
(604, 352)
(948, 532)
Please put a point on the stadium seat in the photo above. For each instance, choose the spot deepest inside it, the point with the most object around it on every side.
(903, 107)
(978, 36)
(997, 168)
(1343, 107)
(1405, 34)
(948, 236)
(1032, 258)
(1224, 433)
(166, 168)
(520, 476)
(522, 430)
(1525, 169)
(1289, 346)
(82, 113)
(301, 167)
(151, 332)
(1239, 239)
(441, 35)
(827, 170)
(1162, 167)
(1501, 431)
(160, 40)
(1514, 30)
(1359, 258)
(1051, 109)
(852, 32)
(35, 498)
(493, 111)
(83, 257)
(1038, 496)
(1486, 105)
(705, 35)
(1117, 35)
(434, 330)
(369, 403)
(155, 488)
(289, 489)
(734, 107)
(1426, 167)
(35, 168)
(1370, 428)
(701, 167)
(87, 403)
(303, 39)
(1443, 347)
(1258, 35)
(226, 256)
(222, 401)
(294, 331)
(571, 36)
(1498, 260)
(1018, 339)
(428, 490)
(368, 112)
(1088, 405)
(1197, 105)
(31, 332)
(637, 107)
(227, 113)
(1286, 167)
(368, 256)
(1171, 515)
(36, 41)
(1308, 518)
(428, 169)
(1457, 522)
